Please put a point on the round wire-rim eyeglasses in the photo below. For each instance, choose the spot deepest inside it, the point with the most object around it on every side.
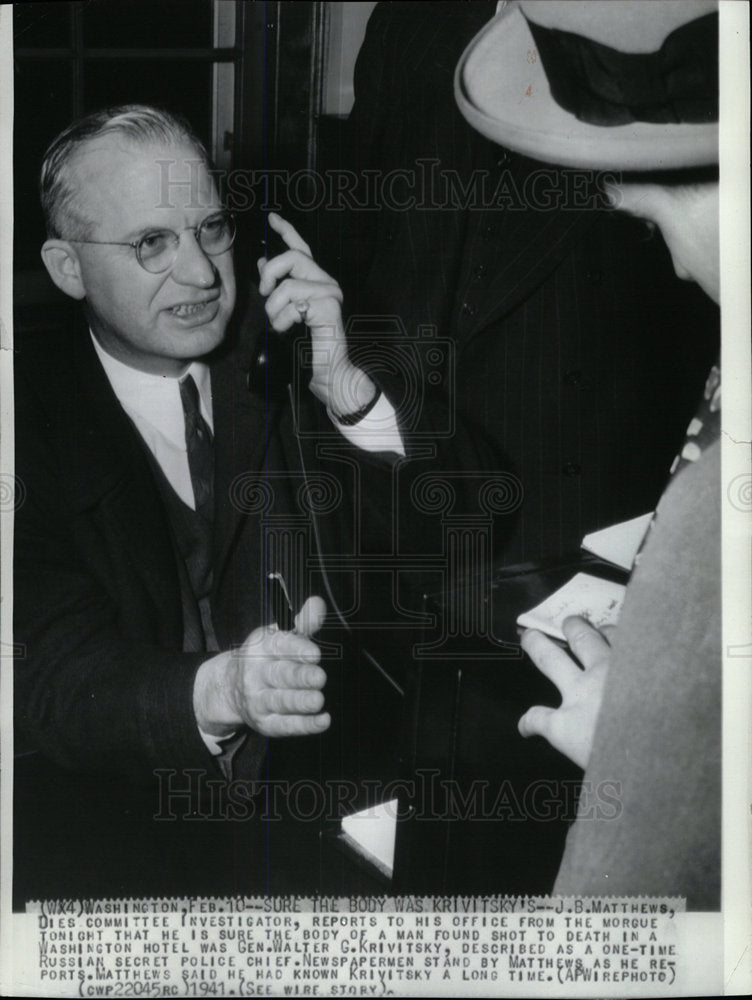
(157, 250)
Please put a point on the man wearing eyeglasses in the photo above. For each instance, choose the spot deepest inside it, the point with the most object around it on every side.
(139, 574)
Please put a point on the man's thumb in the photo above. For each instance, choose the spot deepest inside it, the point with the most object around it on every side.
(311, 616)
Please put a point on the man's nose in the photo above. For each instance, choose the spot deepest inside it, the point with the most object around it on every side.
(192, 266)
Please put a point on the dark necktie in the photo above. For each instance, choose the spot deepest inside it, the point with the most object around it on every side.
(199, 442)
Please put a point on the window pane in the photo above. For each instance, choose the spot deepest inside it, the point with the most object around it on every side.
(42, 25)
(183, 87)
(43, 106)
(148, 24)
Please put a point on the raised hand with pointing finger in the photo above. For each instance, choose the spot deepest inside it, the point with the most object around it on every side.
(297, 289)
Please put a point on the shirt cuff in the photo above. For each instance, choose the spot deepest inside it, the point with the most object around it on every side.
(377, 431)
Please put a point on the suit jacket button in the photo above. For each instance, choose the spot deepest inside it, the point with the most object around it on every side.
(469, 309)
(572, 377)
(595, 277)
(571, 469)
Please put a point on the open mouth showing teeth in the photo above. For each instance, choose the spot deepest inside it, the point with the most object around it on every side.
(186, 309)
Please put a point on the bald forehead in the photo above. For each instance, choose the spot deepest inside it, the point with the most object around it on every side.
(118, 164)
(115, 174)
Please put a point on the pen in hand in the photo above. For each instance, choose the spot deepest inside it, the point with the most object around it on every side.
(279, 600)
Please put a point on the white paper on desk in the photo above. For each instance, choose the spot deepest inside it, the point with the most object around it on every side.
(599, 601)
(372, 833)
(619, 543)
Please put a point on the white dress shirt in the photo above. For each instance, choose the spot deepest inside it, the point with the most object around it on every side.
(153, 403)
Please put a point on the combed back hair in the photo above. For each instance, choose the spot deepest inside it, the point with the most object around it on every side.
(137, 122)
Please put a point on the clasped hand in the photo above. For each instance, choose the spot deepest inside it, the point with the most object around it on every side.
(571, 727)
(272, 683)
(297, 289)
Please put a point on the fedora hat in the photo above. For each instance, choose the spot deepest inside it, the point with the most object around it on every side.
(607, 84)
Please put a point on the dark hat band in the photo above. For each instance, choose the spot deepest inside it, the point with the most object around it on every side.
(603, 86)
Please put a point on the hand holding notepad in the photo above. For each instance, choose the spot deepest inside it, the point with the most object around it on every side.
(575, 614)
(597, 600)
(570, 728)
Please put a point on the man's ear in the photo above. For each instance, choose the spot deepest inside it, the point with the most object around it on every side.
(64, 267)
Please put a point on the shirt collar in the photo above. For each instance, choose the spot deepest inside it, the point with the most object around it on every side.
(155, 399)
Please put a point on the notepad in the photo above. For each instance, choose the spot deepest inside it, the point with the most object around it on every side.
(372, 833)
(619, 543)
(599, 601)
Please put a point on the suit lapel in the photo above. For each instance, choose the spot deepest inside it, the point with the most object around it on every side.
(111, 475)
(112, 472)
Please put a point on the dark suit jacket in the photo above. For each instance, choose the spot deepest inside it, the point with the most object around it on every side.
(577, 349)
(105, 684)
(103, 688)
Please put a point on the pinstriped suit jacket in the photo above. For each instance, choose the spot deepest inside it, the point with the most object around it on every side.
(577, 349)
